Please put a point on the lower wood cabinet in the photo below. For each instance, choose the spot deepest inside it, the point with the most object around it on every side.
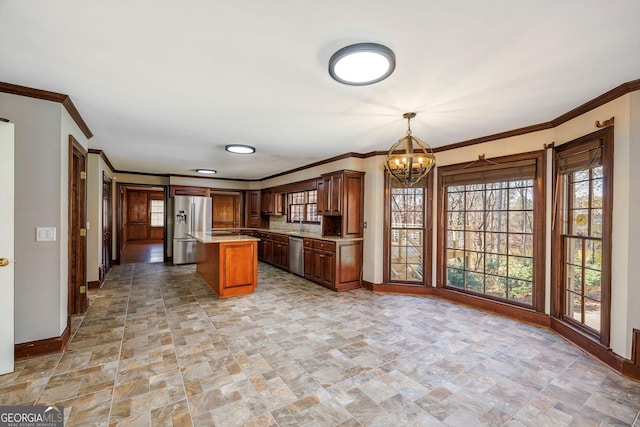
(335, 265)
(274, 249)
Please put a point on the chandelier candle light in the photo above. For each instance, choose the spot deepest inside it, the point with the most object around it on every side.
(409, 160)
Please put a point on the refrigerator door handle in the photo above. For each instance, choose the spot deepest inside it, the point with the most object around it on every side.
(193, 217)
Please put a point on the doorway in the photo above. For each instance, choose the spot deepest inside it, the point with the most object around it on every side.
(107, 227)
(78, 301)
(141, 223)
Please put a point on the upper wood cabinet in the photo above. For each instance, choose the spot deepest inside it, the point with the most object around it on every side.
(266, 202)
(225, 210)
(270, 202)
(331, 194)
(253, 202)
(182, 190)
(252, 209)
(341, 203)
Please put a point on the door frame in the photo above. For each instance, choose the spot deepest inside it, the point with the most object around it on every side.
(120, 186)
(107, 226)
(77, 301)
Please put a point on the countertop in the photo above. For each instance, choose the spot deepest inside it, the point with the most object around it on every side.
(292, 234)
(207, 237)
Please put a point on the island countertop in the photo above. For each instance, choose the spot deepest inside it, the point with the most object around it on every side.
(291, 233)
(208, 237)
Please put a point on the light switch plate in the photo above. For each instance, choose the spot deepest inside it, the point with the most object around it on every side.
(45, 234)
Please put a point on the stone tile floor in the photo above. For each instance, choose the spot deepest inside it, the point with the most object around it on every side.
(157, 347)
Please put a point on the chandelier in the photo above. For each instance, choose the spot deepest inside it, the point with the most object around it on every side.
(409, 160)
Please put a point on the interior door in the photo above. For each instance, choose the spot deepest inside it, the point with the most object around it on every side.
(78, 301)
(137, 215)
(107, 224)
(6, 246)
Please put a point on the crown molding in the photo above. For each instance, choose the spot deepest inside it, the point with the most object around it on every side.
(592, 104)
(103, 156)
(46, 95)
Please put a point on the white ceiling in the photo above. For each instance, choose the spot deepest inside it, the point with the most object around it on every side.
(164, 85)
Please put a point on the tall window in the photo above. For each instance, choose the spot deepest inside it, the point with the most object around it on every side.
(157, 213)
(407, 239)
(581, 228)
(492, 231)
(303, 206)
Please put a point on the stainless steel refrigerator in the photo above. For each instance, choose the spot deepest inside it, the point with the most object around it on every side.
(190, 213)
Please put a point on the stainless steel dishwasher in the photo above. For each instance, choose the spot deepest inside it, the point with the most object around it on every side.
(296, 256)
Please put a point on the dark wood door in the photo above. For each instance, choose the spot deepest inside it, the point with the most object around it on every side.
(107, 225)
(77, 286)
(137, 215)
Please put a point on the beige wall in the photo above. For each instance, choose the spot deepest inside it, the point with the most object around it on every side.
(633, 253)
(622, 256)
(210, 182)
(626, 232)
(41, 200)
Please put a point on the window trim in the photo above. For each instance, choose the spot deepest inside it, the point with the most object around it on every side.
(305, 204)
(153, 198)
(428, 234)
(605, 137)
(539, 227)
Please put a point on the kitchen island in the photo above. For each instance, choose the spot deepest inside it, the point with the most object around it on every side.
(228, 264)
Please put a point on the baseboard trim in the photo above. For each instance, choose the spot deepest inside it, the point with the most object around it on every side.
(45, 346)
(631, 368)
(95, 284)
(594, 348)
(627, 367)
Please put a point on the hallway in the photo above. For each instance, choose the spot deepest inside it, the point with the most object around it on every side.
(157, 347)
(142, 252)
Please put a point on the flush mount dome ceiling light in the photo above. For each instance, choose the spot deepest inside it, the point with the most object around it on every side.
(362, 64)
(206, 171)
(240, 149)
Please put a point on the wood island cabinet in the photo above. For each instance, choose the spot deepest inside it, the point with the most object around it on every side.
(335, 265)
(228, 266)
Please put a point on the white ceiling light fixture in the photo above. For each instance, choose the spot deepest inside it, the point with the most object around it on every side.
(240, 149)
(206, 171)
(362, 64)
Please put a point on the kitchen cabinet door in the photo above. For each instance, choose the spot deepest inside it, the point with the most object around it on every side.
(325, 269)
(335, 195)
(268, 251)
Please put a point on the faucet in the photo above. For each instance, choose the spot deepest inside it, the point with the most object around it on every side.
(299, 219)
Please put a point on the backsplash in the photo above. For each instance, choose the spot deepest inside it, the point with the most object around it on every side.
(279, 222)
